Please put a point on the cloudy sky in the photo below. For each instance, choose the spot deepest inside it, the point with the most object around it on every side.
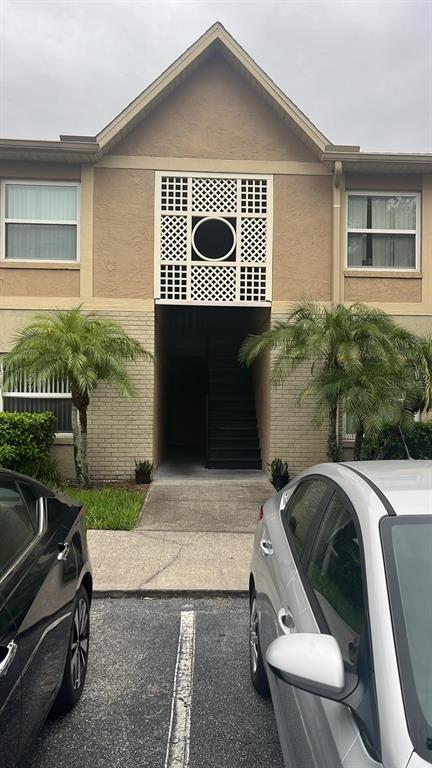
(362, 71)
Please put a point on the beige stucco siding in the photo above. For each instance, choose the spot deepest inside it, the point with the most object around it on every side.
(302, 237)
(123, 233)
(11, 320)
(214, 113)
(39, 282)
(14, 169)
(384, 182)
(383, 289)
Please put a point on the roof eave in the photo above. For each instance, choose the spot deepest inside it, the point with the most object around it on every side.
(49, 151)
(391, 162)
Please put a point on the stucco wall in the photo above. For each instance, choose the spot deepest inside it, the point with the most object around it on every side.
(123, 233)
(214, 113)
(408, 182)
(15, 169)
(39, 282)
(383, 289)
(11, 320)
(302, 237)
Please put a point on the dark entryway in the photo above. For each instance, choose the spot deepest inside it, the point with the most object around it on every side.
(207, 406)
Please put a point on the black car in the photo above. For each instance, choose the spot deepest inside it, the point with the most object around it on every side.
(45, 596)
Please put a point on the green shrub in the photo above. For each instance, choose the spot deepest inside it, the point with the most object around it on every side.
(389, 444)
(25, 441)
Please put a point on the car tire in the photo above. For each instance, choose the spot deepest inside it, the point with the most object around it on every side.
(256, 662)
(75, 670)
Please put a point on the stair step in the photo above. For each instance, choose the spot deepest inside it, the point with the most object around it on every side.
(243, 432)
(228, 463)
(232, 452)
(234, 439)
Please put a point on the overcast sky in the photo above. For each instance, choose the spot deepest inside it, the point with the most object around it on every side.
(361, 71)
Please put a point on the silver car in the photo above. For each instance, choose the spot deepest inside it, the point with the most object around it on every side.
(341, 615)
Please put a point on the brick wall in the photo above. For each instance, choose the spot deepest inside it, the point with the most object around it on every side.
(293, 433)
(120, 430)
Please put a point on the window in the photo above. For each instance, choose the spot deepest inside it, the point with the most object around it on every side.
(52, 396)
(302, 510)
(32, 502)
(382, 230)
(16, 526)
(335, 573)
(349, 427)
(407, 545)
(40, 221)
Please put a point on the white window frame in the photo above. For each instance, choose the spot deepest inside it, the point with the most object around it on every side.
(416, 232)
(347, 437)
(69, 222)
(64, 395)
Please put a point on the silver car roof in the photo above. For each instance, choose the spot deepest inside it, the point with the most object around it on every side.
(407, 484)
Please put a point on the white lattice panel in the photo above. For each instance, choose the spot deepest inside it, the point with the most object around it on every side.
(173, 282)
(174, 193)
(189, 203)
(252, 284)
(216, 283)
(254, 240)
(254, 196)
(174, 238)
(214, 195)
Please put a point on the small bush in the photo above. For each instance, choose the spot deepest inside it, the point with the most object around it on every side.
(25, 441)
(389, 444)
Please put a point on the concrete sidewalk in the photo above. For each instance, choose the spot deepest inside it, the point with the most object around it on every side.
(190, 538)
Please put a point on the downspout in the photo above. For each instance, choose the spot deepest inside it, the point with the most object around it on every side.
(336, 261)
(336, 255)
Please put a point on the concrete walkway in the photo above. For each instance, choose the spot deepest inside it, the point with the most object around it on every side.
(192, 537)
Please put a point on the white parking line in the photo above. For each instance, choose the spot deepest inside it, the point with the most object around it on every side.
(177, 753)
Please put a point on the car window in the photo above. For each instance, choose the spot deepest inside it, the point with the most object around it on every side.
(16, 526)
(302, 509)
(31, 500)
(335, 573)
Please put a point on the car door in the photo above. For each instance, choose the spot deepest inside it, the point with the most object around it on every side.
(285, 535)
(10, 687)
(328, 595)
(39, 594)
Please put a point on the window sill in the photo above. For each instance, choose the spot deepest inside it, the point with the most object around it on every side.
(10, 264)
(63, 438)
(392, 273)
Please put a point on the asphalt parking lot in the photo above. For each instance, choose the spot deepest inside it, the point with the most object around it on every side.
(134, 711)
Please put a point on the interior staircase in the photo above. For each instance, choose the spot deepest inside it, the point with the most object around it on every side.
(232, 431)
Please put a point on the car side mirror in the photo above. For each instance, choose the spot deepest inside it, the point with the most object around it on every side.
(312, 662)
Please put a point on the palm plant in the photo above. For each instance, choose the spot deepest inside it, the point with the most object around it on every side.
(82, 349)
(345, 346)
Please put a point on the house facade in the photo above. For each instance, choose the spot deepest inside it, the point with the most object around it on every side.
(200, 214)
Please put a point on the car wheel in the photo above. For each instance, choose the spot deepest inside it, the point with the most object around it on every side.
(77, 656)
(257, 670)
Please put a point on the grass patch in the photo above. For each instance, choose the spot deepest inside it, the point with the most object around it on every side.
(113, 509)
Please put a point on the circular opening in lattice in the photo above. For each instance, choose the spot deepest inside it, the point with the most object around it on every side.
(214, 239)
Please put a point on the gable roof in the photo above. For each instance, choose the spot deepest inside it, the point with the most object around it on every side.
(90, 149)
(216, 38)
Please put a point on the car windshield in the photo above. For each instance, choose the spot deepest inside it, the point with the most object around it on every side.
(407, 543)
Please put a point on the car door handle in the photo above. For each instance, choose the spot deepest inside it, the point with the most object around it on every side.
(63, 551)
(286, 621)
(266, 547)
(8, 659)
